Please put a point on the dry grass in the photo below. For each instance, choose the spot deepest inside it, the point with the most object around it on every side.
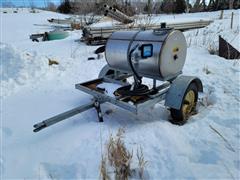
(213, 50)
(103, 170)
(206, 70)
(119, 159)
(141, 162)
(52, 62)
(207, 100)
(144, 21)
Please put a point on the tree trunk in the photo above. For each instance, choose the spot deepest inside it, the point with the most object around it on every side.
(197, 3)
(231, 4)
(204, 5)
(187, 6)
(216, 6)
(210, 3)
(149, 7)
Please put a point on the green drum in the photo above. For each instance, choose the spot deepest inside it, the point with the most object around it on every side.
(55, 35)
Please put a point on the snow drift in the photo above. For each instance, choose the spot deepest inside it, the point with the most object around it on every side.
(18, 68)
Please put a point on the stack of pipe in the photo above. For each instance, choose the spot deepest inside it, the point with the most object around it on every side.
(61, 21)
(116, 14)
(105, 32)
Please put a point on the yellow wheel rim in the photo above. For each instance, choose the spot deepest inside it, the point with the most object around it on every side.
(188, 104)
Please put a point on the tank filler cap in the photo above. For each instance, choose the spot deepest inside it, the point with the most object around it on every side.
(163, 25)
(161, 31)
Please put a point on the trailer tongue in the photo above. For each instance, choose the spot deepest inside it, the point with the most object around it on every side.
(62, 116)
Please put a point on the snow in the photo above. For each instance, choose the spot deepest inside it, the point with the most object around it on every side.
(18, 68)
(109, 88)
(32, 91)
(208, 37)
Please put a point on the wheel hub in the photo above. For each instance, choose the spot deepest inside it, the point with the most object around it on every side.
(188, 104)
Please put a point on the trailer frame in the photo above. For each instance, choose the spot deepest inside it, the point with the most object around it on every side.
(100, 98)
(172, 91)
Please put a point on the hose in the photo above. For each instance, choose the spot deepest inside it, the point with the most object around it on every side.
(126, 91)
(137, 78)
(139, 89)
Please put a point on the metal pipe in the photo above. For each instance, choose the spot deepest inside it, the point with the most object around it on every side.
(117, 15)
(122, 15)
(118, 18)
(113, 16)
(62, 116)
(125, 19)
(180, 26)
(109, 9)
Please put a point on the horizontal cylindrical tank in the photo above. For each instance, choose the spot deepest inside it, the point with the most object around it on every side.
(169, 49)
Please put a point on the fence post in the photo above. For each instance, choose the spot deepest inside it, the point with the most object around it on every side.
(232, 20)
(221, 15)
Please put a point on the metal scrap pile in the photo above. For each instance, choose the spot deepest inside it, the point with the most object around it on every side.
(99, 35)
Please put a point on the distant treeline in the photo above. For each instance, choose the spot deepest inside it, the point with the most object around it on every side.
(131, 7)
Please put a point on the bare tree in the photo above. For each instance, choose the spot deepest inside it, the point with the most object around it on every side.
(149, 7)
(204, 4)
(31, 3)
(216, 5)
(197, 4)
(231, 4)
(210, 4)
(51, 6)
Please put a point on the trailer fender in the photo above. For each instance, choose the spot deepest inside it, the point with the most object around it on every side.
(110, 72)
(106, 70)
(176, 92)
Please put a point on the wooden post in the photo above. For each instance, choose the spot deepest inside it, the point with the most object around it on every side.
(221, 15)
(232, 20)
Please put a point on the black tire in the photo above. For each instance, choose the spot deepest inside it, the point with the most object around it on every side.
(178, 116)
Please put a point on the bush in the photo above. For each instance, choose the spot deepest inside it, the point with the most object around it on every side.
(168, 6)
(51, 7)
(180, 6)
(174, 6)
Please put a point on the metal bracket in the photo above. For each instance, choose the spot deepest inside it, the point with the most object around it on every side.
(99, 111)
(104, 71)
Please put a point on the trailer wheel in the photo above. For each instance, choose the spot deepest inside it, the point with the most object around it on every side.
(188, 106)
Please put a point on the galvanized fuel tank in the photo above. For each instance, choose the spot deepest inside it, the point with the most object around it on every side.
(169, 50)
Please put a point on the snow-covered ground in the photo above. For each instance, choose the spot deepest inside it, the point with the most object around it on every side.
(32, 91)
